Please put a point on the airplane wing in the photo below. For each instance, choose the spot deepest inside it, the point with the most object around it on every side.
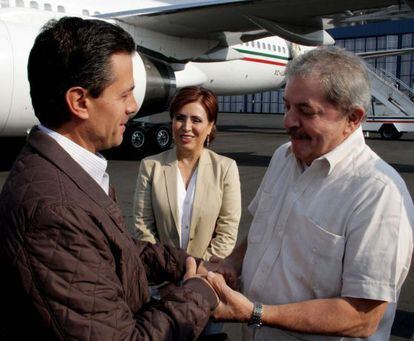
(300, 21)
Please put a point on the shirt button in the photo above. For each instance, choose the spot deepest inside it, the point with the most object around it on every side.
(186, 227)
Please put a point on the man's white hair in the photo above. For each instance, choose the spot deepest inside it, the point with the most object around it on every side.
(342, 74)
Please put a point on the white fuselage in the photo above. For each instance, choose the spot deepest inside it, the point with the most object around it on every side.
(262, 68)
(260, 65)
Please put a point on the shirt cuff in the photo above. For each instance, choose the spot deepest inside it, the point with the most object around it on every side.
(369, 290)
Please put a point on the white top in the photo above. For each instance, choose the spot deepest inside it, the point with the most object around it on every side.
(93, 164)
(341, 227)
(185, 200)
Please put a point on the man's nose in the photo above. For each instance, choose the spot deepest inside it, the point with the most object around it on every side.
(290, 119)
(132, 107)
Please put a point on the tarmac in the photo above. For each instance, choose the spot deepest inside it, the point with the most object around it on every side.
(251, 139)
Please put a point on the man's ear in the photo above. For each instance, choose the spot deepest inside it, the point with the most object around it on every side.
(355, 118)
(76, 101)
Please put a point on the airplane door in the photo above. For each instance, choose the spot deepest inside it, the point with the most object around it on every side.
(6, 76)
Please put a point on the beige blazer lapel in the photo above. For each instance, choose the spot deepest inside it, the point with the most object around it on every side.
(204, 175)
(170, 177)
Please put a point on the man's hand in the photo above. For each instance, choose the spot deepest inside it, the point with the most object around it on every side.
(221, 266)
(191, 268)
(233, 305)
(191, 271)
(229, 267)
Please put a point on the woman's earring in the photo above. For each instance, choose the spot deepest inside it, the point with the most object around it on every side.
(208, 141)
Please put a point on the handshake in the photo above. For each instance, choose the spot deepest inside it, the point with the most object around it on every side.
(222, 276)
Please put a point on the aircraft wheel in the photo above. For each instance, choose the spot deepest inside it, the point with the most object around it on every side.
(136, 138)
(162, 137)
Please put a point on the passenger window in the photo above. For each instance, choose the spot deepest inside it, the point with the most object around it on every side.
(19, 3)
(284, 50)
(85, 12)
(264, 46)
(274, 47)
(34, 4)
(4, 3)
(268, 47)
(61, 9)
(47, 7)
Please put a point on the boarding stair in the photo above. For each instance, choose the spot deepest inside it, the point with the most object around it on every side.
(394, 94)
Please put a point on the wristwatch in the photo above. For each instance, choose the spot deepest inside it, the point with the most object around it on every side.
(256, 318)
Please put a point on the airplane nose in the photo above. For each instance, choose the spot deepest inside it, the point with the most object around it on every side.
(6, 75)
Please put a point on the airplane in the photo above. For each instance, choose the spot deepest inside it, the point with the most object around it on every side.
(229, 46)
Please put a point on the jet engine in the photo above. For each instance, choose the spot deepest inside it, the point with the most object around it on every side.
(159, 84)
(16, 112)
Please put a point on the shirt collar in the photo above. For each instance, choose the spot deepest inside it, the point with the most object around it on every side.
(94, 164)
(353, 143)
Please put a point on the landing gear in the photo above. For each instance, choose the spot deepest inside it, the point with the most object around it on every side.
(389, 132)
(146, 138)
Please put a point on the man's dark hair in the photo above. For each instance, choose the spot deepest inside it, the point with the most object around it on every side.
(72, 52)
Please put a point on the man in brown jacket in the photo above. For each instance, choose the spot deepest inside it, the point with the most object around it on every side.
(70, 270)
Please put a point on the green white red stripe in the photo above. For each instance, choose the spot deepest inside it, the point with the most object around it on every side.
(272, 59)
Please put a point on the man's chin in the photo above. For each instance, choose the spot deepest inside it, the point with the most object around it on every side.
(111, 145)
(298, 152)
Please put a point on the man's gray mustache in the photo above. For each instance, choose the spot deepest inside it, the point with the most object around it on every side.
(297, 134)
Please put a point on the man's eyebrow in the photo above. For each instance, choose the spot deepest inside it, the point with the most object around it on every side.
(129, 89)
(301, 104)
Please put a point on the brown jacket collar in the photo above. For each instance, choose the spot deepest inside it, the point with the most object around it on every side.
(53, 152)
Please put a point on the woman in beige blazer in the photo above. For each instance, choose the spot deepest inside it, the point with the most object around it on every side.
(189, 196)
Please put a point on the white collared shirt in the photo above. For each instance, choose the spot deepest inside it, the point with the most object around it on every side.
(341, 227)
(185, 200)
(94, 164)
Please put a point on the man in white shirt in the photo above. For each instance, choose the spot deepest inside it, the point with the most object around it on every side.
(70, 269)
(331, 240)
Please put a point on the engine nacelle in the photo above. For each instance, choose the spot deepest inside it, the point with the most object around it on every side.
(159, 86)
(16, 111)
(154, 79)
